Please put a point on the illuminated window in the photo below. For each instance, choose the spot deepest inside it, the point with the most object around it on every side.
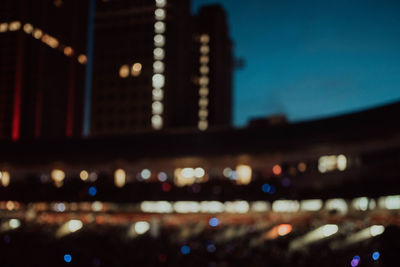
(161, 3)
(203, 102)
(28, 28)
(37, 34)
(244, 173)
(203, 125)
(204, 59)
(160, 14)
(157, 107)
(14, 26)
(119, 178)
(204, 70)
(159, 27)
(136, 69)
(203, 81)
(158, 80)
(158, 67)
(203, 113)
(204, 49)
(82, 59)
(124, 71)
(3, 27)
(159, 53)
(157, 122)
(158, 94)
(159, 40)
(205, 38)
(68, 51)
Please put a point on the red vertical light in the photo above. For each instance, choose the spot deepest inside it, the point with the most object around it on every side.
(15, 134)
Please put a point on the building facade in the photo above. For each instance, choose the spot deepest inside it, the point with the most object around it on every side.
(42, 66)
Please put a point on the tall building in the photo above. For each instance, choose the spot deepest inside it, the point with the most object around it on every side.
(146, 67)
(141, 73)
(214, 67)
(42, 57)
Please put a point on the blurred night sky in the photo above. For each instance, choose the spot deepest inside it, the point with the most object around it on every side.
(311, 58)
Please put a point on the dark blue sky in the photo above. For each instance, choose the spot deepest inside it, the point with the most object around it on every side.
(313, 58)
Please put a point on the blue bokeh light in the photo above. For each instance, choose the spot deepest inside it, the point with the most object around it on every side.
(214, 222)
(376, 255)
(211, 248)
(67, 258)
(185, 250)
(92, 191)
(355, 261)
(266, 188)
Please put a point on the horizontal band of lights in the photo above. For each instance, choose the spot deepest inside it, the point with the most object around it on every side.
(204, 81)
(47, 39)
(288, 207)
(158, 79)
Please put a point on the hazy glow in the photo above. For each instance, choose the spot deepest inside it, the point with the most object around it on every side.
(285, 206)
(311, 204)
(159, 53)
(136, 69)
(124, 71)
(360, 203)
(157, 107)
(158, 67)
(186, 207)
(260, 206)
(159, 40)
(277, 169)
(142, 227)
(199, 172)
(204, 49)
(161, 3)
(284, 229)
(146, 174)
(204, 70)
(68, 51)
(212, 207)
(82, 59)
(302, 167)
(203, 125)
(204, 81)
(203, 113)
(97, 206)
(119, 178)
(157, 122)
(204, 59)
(5, 178)
(313, 236)
(159, 27)
(14, 26)
(14, 223)
(3, 27)
(84, 175)
(58, 176)
(158, 94)
(158, 80)
(28, 28)
(227, 172)
(74, 225)
(205, 38)
(390, 202)
(376, 230)
(237, 207)
(187, 172)
(244, 173)
(203, 91)
(156, 207)
(37, 34)
(337, 204)
(160, 14)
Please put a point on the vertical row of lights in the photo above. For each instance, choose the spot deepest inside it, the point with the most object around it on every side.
(204, 81)
(158, 80)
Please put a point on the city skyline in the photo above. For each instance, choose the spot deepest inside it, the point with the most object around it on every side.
(312, 59)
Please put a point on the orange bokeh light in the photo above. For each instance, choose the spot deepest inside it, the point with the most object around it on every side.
(277, 170)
